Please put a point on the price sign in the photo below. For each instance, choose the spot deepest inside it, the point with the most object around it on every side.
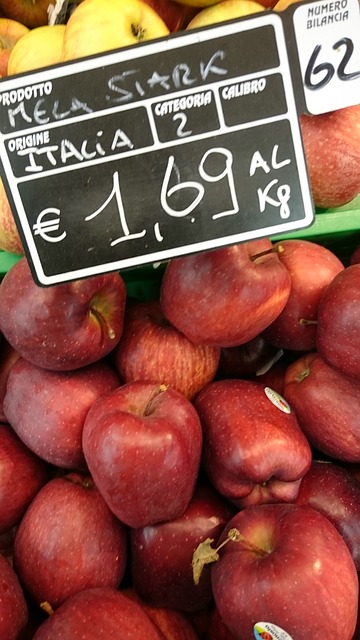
(328, 42)
(177, 145)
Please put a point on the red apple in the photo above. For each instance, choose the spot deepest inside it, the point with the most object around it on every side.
(63, 327)
(37, 406)
(254, 450)
(335, 492)
(175, 15)
(151, 350)
(268, 4)
(31, 14)
(353, 467)
(356, 635)
(161, 554)
(68, 540)
(22, 474)
(13, 606)
(312, 267)
(218, 629)
(338, 332)
(200, 4)
(173, 624)
(290, 569)
(327, 406)
(99, 613)
(200, 621)
(10, 240)
(332, 151)
(245, 359)
(203, 4)
(275, 376)
(7, 543)
(227, 296)
(355, 255)
(8, 357)
(142, 443)
(35, 619)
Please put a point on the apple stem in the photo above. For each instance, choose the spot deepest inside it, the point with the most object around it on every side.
(149, 405)
(46, 606)
(85, 481)
(277, 249)
(100, 318)
(138, 31)
(305, 321)
(302, 375)
(206, 554)
(234, 535)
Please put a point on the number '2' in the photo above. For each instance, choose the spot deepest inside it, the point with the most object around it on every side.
(328, 68)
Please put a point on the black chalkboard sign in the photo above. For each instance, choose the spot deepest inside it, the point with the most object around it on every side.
(169, 147)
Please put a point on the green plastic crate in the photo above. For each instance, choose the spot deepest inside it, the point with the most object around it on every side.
(338, 229)
(6, 262)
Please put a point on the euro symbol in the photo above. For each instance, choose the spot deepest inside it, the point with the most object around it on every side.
(43, 227)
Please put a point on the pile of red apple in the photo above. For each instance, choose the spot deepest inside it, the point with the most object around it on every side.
(32, 36)
(185, 468)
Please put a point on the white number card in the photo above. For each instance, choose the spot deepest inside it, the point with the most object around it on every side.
(327, 34)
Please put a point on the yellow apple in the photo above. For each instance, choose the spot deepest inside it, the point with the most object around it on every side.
(37, 48)
(9, 236)
(96, 26)
(10, 32)
(281, 5)
(41, 47)
(224, 10)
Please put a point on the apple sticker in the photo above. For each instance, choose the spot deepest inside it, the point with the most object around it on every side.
(268, 631)
(277, 400)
